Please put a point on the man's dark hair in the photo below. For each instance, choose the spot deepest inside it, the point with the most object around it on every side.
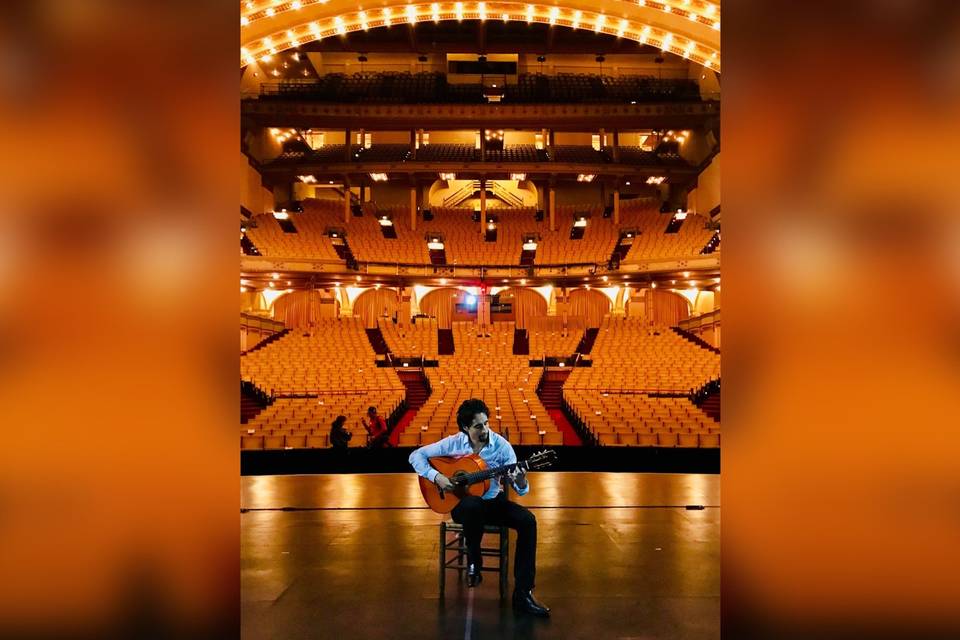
(371, 409)
(468, 409)
(338, 422)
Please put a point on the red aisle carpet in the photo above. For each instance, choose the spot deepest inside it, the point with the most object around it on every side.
(404, 421)
(570, 436)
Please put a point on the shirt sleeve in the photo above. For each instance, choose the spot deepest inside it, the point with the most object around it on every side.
(510, 457)
(419, 459)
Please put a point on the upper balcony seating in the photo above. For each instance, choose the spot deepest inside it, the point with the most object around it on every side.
(580, 154)
(384, 153)
(448, 153)
(513, 153)
(432, 87)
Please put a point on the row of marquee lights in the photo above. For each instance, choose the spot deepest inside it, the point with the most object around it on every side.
(704, 12)
(267, 47)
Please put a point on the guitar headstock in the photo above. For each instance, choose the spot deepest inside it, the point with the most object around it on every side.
(542, 459)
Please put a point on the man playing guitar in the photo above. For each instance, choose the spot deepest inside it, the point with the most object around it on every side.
(493, 507)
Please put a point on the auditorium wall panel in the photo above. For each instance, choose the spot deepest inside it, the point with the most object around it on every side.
(453, 137)
(390, 137)
(586, 194)
(253, 196)
(388, 195)
(708, 188)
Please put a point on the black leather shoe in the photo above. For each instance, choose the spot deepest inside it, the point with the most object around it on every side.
(474, 575)
(524, 602)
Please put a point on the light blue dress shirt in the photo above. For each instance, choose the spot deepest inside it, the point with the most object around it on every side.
(496, 453)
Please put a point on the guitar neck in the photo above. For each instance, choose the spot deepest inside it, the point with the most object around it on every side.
(486, 474)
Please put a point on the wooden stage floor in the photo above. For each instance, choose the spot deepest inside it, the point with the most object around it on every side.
(619, 555)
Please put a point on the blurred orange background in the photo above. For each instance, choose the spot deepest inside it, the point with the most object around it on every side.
(841, 348)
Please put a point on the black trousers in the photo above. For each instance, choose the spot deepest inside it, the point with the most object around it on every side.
(474, 513)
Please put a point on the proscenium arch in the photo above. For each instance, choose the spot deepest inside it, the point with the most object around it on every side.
(703, 11)
(643, 24)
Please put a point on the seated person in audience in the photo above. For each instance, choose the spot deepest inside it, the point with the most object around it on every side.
(493, 507)
(339, 437)
(379, 434)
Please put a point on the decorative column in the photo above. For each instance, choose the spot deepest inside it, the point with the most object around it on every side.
(483, 207)
(617, 310)
(553, 208)
(413, 208)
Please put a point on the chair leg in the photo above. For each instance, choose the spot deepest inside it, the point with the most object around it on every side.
(504, 560)
(443, 557)
(461, 555)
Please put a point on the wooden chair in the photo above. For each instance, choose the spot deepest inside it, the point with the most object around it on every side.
(453, 540)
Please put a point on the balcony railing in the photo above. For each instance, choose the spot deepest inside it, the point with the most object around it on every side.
(464, 154)
(433, 88)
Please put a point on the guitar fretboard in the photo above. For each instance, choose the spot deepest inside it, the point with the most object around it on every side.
(480, 476)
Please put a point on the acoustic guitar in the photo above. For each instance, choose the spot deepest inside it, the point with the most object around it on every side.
(471, 477)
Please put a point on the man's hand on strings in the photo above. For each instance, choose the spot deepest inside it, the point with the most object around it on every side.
(518, 477)
(443, 482)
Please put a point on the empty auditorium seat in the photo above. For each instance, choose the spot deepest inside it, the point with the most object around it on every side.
(273, 442)
(409, 439)
(251, 442)
(687, 440)
(666, 439)
(553, 438)
(709, 440)
(647, 439)
(316, 442)
(608, 439)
